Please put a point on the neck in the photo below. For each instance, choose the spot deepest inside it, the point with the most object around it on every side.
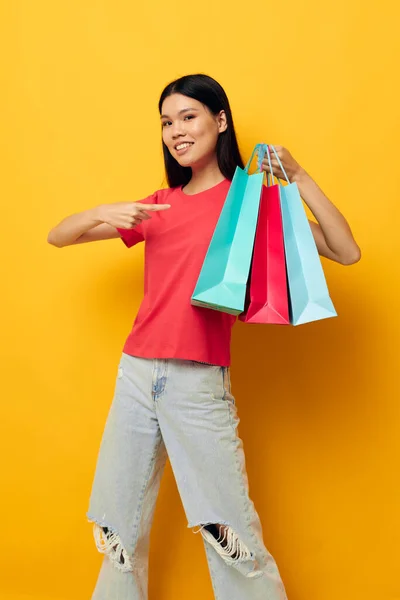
(204, 178)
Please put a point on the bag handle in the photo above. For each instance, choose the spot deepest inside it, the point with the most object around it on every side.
(271, 174)
(280, 165)
(260, 149)
(265, 150)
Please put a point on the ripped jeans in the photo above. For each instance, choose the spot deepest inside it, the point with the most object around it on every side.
(183, 410)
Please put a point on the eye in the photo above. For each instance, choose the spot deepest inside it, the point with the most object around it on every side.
(165, 123)
(189, 117)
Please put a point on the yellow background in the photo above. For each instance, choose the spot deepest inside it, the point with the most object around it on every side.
(319, 404)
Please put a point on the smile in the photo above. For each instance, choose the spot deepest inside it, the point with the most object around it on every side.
(180, 148)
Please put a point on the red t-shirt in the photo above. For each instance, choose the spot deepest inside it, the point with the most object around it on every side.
(177, 240)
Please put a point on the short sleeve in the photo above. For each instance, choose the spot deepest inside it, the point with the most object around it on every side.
(137, 234)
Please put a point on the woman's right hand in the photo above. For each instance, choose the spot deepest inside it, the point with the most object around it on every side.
(126, 215)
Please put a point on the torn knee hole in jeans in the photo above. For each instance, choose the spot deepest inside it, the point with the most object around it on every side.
(108, 542)
(227, 543)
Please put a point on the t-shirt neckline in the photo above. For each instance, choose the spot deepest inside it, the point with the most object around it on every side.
(182, 193)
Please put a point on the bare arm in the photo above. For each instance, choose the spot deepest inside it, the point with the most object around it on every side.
(332, 233)
(100, 223)
(82, 227)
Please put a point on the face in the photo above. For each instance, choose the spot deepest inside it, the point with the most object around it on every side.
(190, 131)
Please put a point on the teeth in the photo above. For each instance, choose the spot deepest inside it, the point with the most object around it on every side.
(185, 145)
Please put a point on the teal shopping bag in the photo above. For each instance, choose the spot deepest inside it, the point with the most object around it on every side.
(308, 290)
(223, 278)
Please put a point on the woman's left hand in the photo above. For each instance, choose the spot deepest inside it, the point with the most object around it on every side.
(291, 166)
(332, 232)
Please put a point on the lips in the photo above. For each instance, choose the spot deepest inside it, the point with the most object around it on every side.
(184, 147)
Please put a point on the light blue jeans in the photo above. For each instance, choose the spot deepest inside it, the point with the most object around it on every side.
(183, 410)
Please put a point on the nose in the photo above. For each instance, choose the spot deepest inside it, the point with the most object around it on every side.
(177, 130)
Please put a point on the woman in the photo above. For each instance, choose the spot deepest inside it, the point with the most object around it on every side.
(172, 393)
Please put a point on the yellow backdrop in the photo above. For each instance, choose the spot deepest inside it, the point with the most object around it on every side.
(319, 404)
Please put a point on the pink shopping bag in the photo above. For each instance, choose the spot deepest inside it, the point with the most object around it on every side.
(267, 300)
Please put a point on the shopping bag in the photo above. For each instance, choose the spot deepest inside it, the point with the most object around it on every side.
(309, 298)
(267, 286)
(223, 278)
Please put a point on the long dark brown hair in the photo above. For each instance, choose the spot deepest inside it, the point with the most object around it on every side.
(212, 95)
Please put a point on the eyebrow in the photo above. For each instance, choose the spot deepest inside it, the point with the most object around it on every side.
(180, 112)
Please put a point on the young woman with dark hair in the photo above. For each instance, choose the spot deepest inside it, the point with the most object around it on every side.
(173, 394)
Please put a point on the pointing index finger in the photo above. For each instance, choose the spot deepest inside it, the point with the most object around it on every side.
(154, 207)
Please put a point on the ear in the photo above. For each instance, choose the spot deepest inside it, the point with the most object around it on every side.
(222, 122)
